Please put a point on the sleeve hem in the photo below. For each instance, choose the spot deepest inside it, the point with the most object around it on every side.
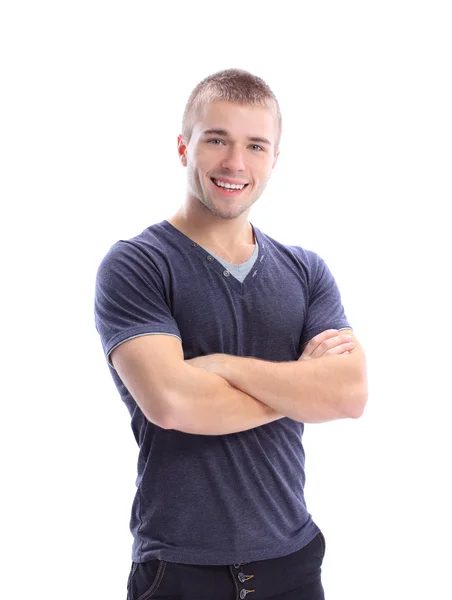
(308, 336)
(129, 335)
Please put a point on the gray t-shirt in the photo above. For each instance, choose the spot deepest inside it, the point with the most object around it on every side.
(219, 499)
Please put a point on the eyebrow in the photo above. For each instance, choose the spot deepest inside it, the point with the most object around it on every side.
(224, 133)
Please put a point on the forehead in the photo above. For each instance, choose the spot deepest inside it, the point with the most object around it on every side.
(237, 119)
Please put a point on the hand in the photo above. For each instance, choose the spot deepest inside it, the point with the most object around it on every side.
(327, 343)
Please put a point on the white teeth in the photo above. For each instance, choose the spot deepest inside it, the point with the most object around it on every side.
(234, 186)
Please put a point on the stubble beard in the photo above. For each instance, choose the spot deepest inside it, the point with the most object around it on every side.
(230, 213)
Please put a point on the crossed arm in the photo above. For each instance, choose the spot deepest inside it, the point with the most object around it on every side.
(328, 382)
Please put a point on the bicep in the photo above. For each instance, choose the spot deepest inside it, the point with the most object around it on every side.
(148, 366)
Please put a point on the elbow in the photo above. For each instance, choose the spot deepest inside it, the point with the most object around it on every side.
(165, 413)
(356, 401)
(169, 421)
(162, 421)
(357, 392)
(179, 416)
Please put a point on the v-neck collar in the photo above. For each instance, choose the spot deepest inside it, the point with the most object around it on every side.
(212, 263)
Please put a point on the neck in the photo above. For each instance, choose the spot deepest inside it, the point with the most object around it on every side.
(208, 230)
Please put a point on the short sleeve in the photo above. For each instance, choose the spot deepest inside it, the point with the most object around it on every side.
(325, 310)
(130, 298)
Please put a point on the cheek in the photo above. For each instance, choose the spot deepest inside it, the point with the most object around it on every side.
(263, 172)
(197, 164)
(204, 156)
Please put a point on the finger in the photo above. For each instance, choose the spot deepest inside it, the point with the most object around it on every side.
(314, 343)
(341, 349)
(328, 346)
(331, 343)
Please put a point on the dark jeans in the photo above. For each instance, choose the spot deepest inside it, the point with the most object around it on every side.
(293, 577)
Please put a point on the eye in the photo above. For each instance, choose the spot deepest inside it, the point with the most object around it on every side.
(256, 147)
(214, 142)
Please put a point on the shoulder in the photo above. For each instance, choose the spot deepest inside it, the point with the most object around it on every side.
(146, 250)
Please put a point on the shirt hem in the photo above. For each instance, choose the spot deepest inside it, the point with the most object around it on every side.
(210, 558)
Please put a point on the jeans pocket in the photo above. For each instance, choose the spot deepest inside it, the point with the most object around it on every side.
(132, 571)
(145, 579)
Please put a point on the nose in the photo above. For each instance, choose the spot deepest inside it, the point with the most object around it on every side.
(233, 158)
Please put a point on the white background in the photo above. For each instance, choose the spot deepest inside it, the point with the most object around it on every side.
(91, 105)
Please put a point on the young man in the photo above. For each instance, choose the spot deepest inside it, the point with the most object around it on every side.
(223, 342)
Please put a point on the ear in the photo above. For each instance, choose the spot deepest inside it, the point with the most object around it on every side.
(276, 158)
(181, 149)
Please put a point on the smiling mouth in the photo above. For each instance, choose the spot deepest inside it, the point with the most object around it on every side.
(230, 188)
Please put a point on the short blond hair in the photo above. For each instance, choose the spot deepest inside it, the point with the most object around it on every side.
(233, 85)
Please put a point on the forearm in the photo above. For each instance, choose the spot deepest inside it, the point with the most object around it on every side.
(206, 404)
(313, 391)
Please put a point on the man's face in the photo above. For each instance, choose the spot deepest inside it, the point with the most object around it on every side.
(231, 144)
